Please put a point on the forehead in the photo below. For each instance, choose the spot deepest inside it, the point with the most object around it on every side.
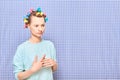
(37, 20)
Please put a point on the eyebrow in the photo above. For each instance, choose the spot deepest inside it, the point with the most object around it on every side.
(42, 24)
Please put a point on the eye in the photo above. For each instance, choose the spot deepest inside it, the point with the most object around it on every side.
(36, 25)
(43, 25)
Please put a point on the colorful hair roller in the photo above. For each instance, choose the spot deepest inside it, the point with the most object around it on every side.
(38, 13)
(38, 9)
(25, 21)
(44, 15)
(25, 26)
(28, 14)
(41, 13)
(31, 10)
(46, 19)
(25, 17)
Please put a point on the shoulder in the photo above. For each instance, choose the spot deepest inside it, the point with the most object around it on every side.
(22, 45)
(48, 42)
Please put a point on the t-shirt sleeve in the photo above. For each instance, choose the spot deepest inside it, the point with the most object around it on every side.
(18, 62)
(53, 51)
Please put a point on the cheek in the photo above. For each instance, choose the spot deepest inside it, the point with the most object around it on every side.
(33, 29)
(43, 29)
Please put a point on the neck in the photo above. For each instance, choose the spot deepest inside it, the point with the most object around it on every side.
(34, 39)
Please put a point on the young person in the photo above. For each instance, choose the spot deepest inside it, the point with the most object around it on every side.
(35, 59)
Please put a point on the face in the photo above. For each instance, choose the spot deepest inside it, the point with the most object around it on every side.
(37, 26)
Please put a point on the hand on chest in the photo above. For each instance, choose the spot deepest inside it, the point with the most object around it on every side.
(31, 52)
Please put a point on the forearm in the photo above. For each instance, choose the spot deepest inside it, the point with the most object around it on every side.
(54, 67)
(24, 75)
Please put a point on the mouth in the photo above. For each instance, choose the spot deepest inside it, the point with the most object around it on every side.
(40, 33)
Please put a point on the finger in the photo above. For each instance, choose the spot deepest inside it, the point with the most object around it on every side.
(50, 65)
(49, 60)
(46, 64)
(43, 57)
(45, 60)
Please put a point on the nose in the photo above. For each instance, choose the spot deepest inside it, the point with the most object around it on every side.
(40, 29)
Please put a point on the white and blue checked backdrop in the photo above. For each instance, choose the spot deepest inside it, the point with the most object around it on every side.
(86, 35)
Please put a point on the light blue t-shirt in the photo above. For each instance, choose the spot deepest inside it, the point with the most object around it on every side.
(25, 55)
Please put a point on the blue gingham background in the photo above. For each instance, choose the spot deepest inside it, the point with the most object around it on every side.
(86, 35)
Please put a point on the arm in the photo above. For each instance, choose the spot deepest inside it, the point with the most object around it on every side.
(24, 75)
(36, 66)
(53, 61)
(54, 67)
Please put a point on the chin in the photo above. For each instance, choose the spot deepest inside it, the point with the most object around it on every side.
(39, 36)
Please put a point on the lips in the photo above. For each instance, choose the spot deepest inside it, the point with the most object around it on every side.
(39, 33)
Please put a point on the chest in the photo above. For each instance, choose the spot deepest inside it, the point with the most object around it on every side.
(30, 52)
